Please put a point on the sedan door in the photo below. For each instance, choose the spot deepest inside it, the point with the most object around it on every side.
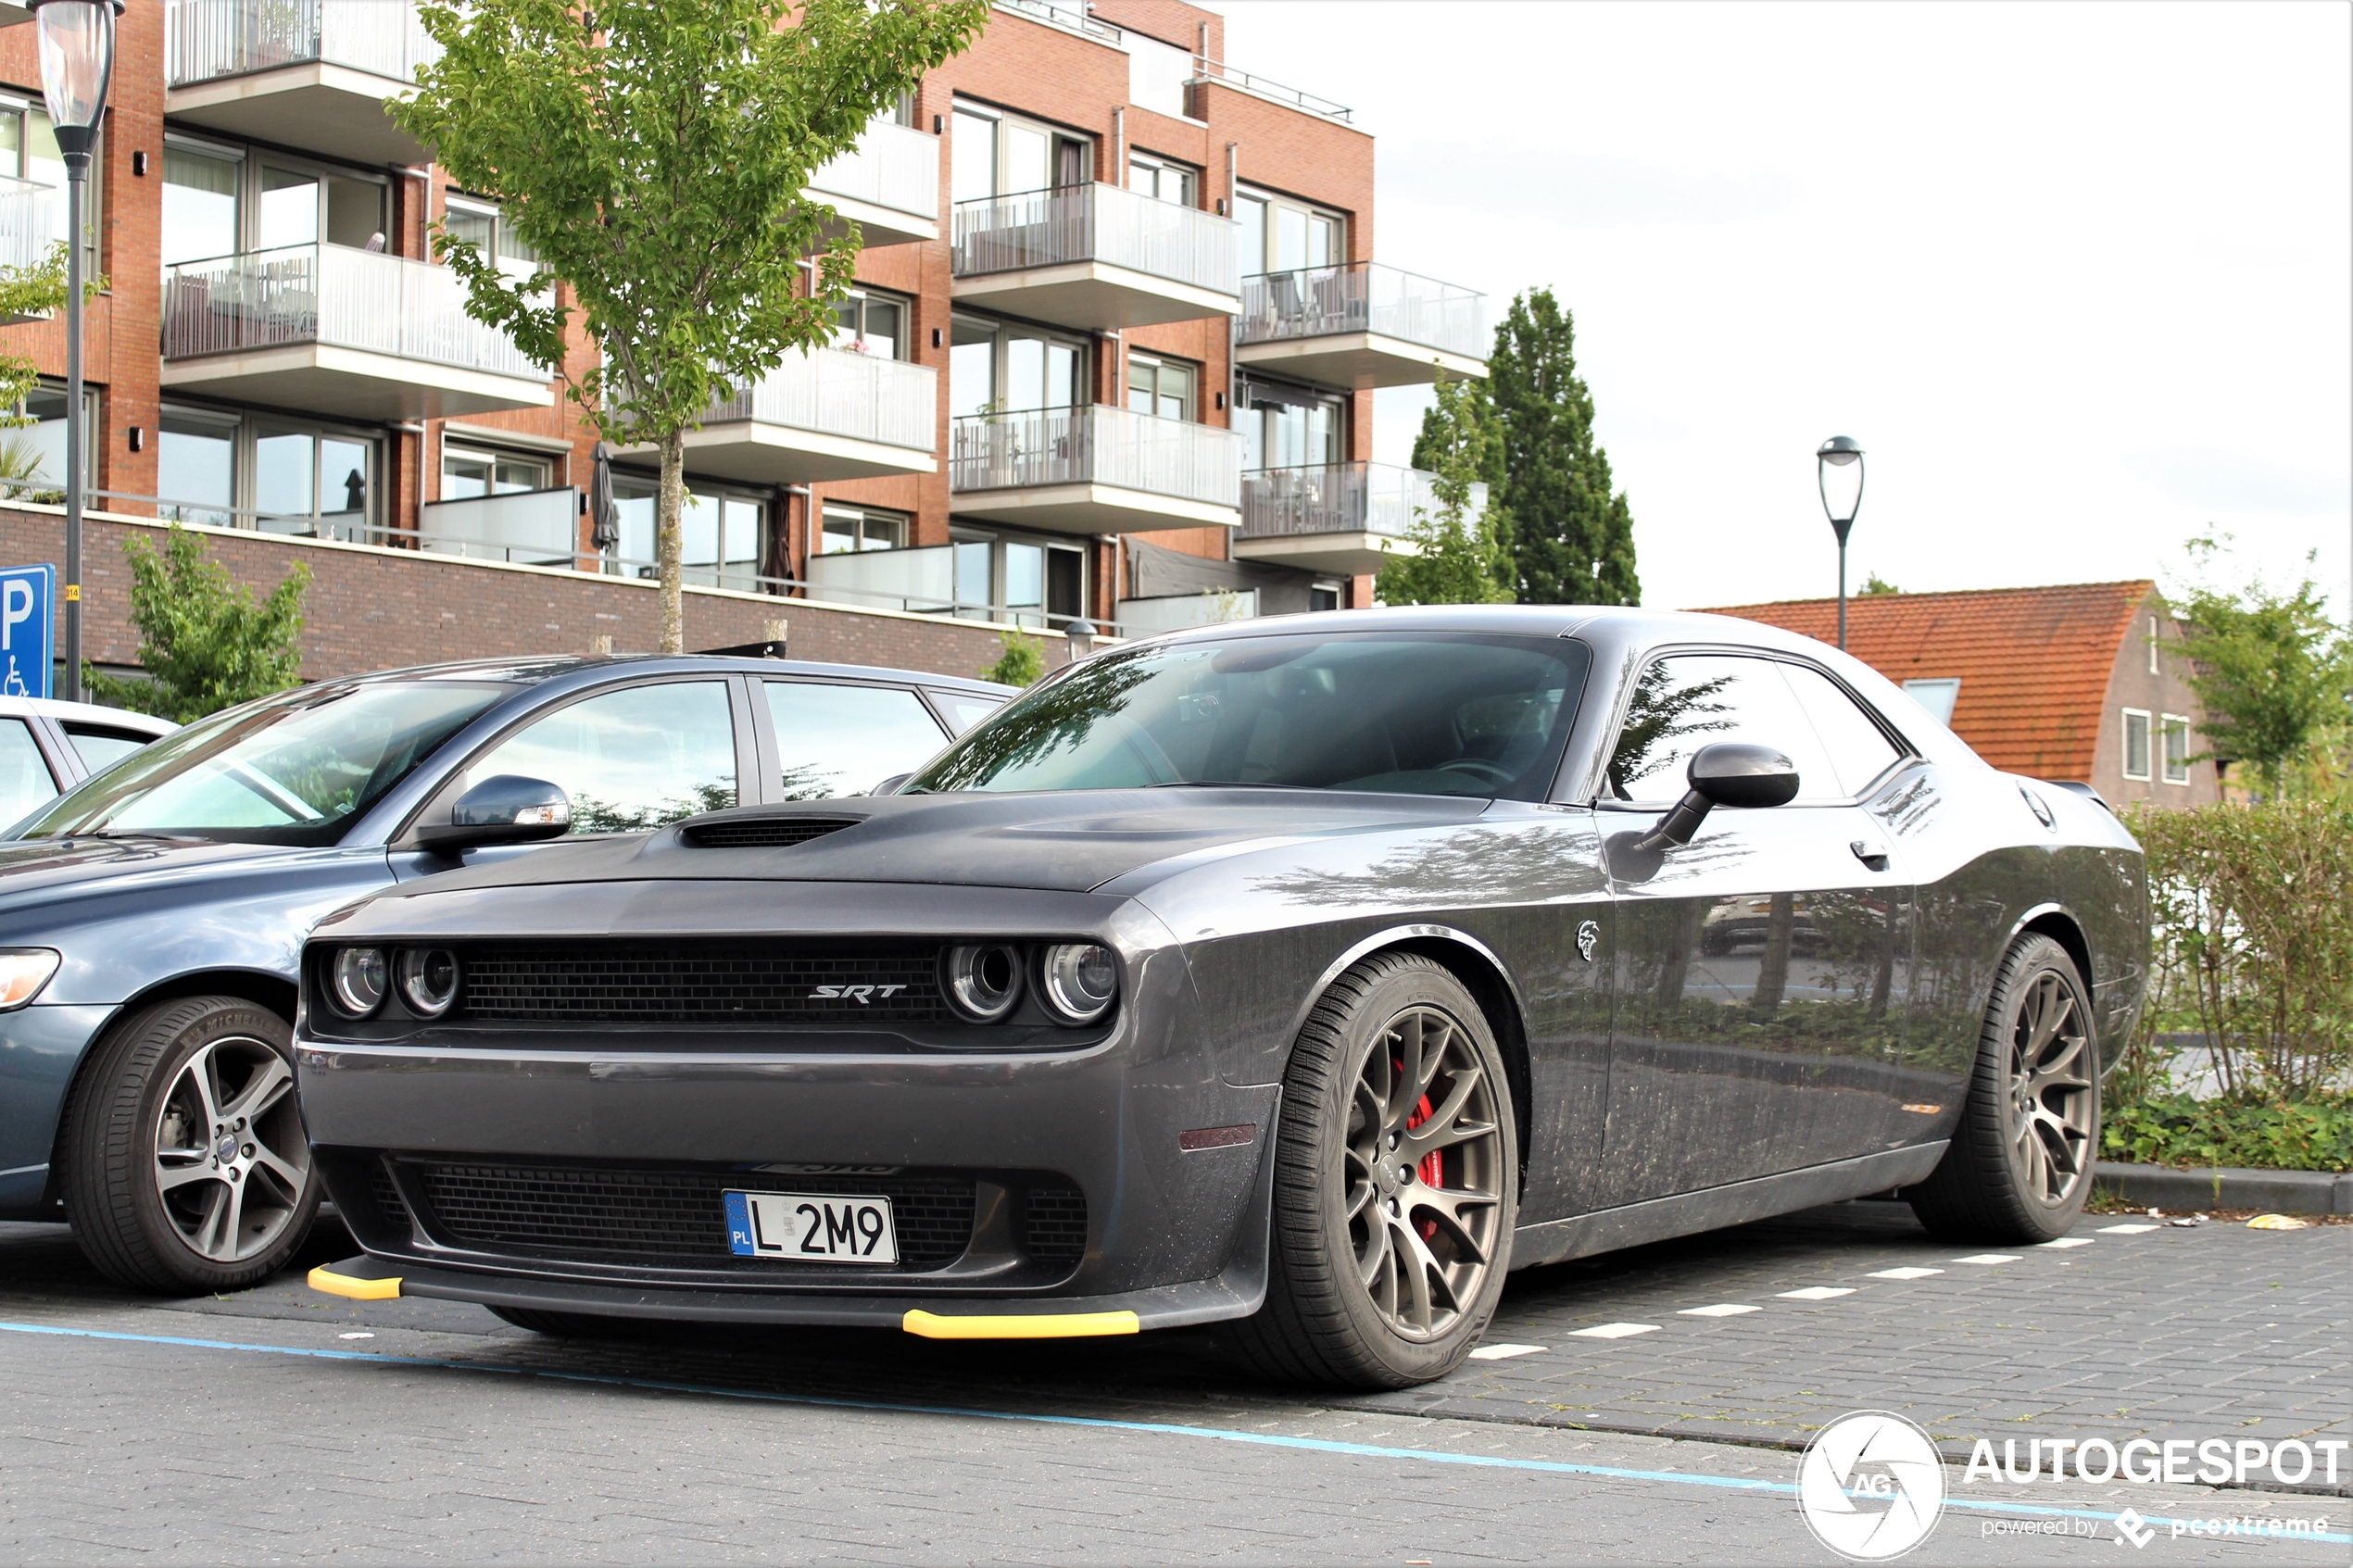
(1763, 966)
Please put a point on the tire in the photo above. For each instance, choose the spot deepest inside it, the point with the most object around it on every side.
(1377, 1278)
(2020, 1162)
(154, 1202)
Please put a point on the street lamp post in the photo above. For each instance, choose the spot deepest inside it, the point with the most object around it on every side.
(77, 59)
(1081, 635)
(1839, 470)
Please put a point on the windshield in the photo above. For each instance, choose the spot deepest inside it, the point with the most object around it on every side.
(297, 768)
(1401, 712)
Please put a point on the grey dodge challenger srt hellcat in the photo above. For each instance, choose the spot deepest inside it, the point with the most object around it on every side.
(1308, 973)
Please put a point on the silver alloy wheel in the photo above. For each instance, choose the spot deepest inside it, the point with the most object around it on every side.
(2047, 1111)
(226, 1185)
(1422, 1173)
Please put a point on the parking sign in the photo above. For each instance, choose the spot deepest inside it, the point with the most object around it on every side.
(28, 623)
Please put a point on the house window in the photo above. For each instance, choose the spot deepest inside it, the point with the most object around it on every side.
(1008, 367)
(2136, 743)
(469, 473)
(1285, 426)
(312, 482)
(1159, 386)
(482, 225)
(296, 205)
(2176, 730)
(1028, 582)
(196, 465)
(34, 455)
(1163, 181)
(869, 321)
(847, 529)
(200, 183)
(994, 153)
(1282, 235)
(722, 534)
(1323, 596)
(29, 152)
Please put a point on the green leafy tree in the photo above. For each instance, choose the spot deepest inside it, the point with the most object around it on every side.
(1875, 584)
(1572, 535)
(653, 155)
(1462, 559)
(38, 290)
(1021, 659)
(2273, 671)
(205, 643)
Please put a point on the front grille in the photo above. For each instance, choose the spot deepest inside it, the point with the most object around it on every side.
(769, 833)
(595, 1214)
(704, 982)
(390, 1206)
(1054, 1224)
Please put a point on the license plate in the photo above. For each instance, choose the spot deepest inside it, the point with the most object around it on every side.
(808, 1227)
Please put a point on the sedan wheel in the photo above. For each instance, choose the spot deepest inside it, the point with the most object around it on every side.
(185, 1166)
(2020, 1166)
(1395, 1184)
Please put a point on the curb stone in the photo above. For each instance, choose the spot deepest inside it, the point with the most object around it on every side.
(2283, 1191)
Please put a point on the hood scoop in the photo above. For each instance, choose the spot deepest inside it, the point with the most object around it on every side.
(763, 833)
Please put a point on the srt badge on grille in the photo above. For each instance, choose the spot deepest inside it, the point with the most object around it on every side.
(859, 994)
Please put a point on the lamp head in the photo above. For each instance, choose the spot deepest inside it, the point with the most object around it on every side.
(1082, 639)
(1839, 467)
(77, 61)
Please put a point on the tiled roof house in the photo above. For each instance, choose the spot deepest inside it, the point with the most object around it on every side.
(2064, 682)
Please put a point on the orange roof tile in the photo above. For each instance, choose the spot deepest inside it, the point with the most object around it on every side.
(2034, 663)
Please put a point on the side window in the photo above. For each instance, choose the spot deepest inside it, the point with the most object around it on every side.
(24, 776)
(101, 748)
(1859, 750)
(964, 710)
(845, 740)
(629, 759)
(1684, 701)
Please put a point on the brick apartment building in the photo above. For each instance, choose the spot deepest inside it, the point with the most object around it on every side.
(1117, 323)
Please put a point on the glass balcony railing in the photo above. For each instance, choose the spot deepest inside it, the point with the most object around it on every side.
(1097, 222)
(539, 527)
(329, 295)
(895, 166)
(1361, 297)
(1340, 498)
(1097, 445)
(838, 393)
(208, 38)
(29, 225)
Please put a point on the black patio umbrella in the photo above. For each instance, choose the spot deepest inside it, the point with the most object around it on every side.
(601, 513)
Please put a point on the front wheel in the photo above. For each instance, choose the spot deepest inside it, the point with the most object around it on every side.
(2020, 1162)
(1395, 1184)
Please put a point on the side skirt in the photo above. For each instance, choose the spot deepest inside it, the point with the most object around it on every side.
(1710, 1209)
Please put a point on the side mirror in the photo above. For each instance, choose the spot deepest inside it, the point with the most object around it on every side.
(890, 786)
(509, 808)
(1727, 774)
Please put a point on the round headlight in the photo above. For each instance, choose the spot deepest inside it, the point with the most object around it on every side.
(983, 984)
(1080, 981)
(359, 987)
(428, 980)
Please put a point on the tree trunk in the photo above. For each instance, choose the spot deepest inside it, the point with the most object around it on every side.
(668, 505)
(1772, 967)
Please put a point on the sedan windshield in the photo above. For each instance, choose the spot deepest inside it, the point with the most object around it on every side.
(297, 768)
(1400, 712)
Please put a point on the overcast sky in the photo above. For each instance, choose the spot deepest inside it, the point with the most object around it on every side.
(2076, 276)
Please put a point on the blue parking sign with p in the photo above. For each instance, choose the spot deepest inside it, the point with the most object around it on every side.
(28, 624)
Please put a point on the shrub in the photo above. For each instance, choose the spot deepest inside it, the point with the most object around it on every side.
(1020, 663)
(2311, 1134)
(205, 643)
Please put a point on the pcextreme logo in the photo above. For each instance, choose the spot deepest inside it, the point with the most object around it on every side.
(1871, 1485)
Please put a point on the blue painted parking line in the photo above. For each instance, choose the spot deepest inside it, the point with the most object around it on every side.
(1161, 1428)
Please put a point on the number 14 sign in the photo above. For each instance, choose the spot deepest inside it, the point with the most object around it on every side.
(28, 624)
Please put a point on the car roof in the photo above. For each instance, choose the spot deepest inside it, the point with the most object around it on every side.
(537, 671)
(86, 712)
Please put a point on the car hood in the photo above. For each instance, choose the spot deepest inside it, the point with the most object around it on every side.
(41, 870)
(1073, 841)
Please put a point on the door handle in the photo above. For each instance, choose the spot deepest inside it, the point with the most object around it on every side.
(1871, 855)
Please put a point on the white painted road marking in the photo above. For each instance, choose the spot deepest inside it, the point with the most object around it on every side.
(1505, 1352)
(1904, 1274)
(1722, 1310)
(1617, 1330)
(1989, 1259)
(1817, 1293)
(2125, 1230)
(2067, 1241)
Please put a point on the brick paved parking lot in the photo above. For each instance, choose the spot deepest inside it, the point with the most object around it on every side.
(277, 1425)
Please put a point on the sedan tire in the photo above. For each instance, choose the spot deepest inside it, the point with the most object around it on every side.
(185, 1168)
(2020, 1162)
(1396, 1184)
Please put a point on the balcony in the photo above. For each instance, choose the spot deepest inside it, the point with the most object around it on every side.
(1096, 470)
(536, 527)
(28, 228)
(1359, 326)
(303, 73)
(1095, 258)
(1346, 519)
(887, 185)
(826, 415)
(338, 332)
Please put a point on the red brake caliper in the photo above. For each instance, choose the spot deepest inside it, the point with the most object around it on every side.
(1432, 1169)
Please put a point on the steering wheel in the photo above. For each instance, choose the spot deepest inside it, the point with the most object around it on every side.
(1485, 772)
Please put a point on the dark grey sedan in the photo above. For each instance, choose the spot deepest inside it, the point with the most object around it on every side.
(1306, 974)
(151, 918)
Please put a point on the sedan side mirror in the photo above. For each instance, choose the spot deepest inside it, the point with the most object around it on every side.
(509, 808)
(1727, 774)
(890, 786)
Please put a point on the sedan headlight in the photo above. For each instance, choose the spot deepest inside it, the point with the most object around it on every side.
(357, 987)
(428, 980)
(982, 983)
(23, 970)
(1079, 981)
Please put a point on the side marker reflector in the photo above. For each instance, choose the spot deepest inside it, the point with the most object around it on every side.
(328, 1281)
(1028, 1326)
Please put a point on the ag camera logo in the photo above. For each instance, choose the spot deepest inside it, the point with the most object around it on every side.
(1871, 1485)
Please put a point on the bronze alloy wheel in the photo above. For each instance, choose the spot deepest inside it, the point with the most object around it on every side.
(1421, 1172)
(2049, 1113)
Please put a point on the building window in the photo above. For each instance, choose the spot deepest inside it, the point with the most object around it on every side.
(848, 529)
(994, 153)
(723, 534)
(869, 321)
(33, 456)
(312, 482)
(1285, 426)
(1163, 387)
(1163, 181)
(1028, 581)
(2176, 732)
(1323, 596)
(294, 205)
(196, 466)
(216, 202)
(199, 200)
(480, 225)
(29, 152)
(1008, 367)
(468, 473)
(2136, 743)
(1282, 235)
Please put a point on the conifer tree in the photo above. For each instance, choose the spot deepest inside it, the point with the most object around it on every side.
(1572, 534)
